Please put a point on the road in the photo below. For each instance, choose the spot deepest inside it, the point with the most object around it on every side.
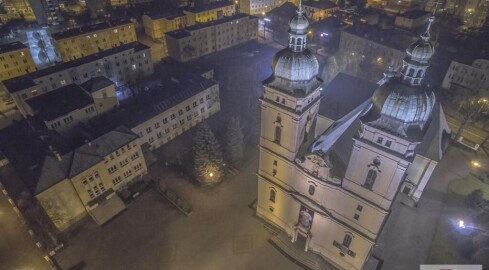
(17, 250)
(471, 133)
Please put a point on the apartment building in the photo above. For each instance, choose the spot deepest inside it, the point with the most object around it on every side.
(85, 180)
(65, 108)
(157, 24)
(209, 12)
(120, 64)
(168, 110)
(79, 42)
(319, 10)
(19, 9)
(474, 77)
(258, 7)
(15, 60)
(412, 19)
(206, 38)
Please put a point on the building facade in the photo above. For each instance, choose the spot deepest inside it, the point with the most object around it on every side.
(412, 19)
(16, 60)
(331, 193)
(209, 12)
(474, 77)
(206, 38)
(79, 42)
(85, 180)
(319, 10)
(121, 65)
(156, 25)
(258, 7)
(19, 9)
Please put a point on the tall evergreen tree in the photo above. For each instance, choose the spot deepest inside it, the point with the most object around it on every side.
(208, 161)
(235, 141)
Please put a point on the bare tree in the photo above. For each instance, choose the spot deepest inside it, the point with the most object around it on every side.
(472, 108)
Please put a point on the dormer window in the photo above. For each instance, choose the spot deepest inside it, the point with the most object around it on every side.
(380, 140)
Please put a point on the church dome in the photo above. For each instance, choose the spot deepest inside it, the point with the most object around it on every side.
(404, 103)
(299, 23)
(421, 51)
(295, 66)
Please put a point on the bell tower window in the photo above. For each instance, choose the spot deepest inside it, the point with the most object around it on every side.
(278, 134)
(347, 241)
(370, 180)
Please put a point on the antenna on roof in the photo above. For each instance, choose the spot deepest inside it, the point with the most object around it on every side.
(299, 10)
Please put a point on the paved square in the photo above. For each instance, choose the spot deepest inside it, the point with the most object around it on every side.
(243, 244)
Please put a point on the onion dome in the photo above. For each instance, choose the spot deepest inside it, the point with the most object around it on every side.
(299, 23)
(295, 66)
(422, 50)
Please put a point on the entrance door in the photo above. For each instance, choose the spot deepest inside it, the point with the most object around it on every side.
(406, 190)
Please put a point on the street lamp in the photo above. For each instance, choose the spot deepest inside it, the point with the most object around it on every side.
(476, 164)
(461, 223)
(211, 174)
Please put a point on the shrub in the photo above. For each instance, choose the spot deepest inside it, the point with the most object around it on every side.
(474, 199)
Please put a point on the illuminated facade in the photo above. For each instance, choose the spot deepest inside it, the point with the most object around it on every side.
(258, 7)
(319, 10)
(121, 65)
(19, 9)
(206, 38)
(331, 190)
(474, 77)
(117, 3)
(16, 60)
(84, 181)
(209, 12)
(156, 25)
(79, 42)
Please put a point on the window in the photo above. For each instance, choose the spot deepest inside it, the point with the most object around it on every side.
(359, 208)
(187, 108)
(157, 125)
(194, 104)
(278, 134)
(274, 172)
(388, 143)
(151, 140)
(180, 112)
(201, 100)
(148, 130)
(347, 241)
(380, 140)
(165, 120)
(167, 130)
(369, 182)
(272, 195)
(277, 99)
(172, 116)
(312, 189)
(356, 216)
(123, 163)
(182, 122)
(274, 163)
(138, 167)
(159, 135)
(134, 156)
(112, 169)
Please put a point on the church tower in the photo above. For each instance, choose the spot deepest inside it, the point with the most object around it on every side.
(291, 98)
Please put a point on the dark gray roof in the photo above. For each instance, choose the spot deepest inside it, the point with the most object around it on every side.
(343, 94)
(186, 32)
(22, 82)
(434, 139)
(13, 46)
(82, 158)
(413, 14)
(286, 10)
(168, 14)
(89, 28)
(60, 102)
(212, 5)
(96, 83)
(320, 4)
(393, 38)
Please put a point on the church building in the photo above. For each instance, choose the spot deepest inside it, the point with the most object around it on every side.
(331, 187)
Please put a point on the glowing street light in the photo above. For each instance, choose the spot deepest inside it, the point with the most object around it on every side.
(476, 164)
(211, 174)
(461, 223)
(324, 34)
(267, 20)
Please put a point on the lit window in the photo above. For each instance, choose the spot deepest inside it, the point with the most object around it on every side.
(134, 67)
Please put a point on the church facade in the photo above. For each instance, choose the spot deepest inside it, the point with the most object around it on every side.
(331, 190)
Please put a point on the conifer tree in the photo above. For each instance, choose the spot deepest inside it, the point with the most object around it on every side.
(235, 141)
(208, 162)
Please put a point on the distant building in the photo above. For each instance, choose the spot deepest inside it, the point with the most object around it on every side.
(279, 18)
(162, 113)
(474, 77)
(66, 107)
(84, 180)
(19, 9)
(87, 40)
(209, 12)
(157, 24)
(206, 38)
(258, 7)
(121, 65)
(412, 19)
(117, 3)
(15, 60)
(319, 10)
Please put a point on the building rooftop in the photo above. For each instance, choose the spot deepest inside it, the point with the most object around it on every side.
(186, 32)
(321, 4)
(156, 100)
(22, 82)
(13, 46)
(344, 88)
(96, 83)
(55, 170)
(89, 28)
(391, 37)
(167, 14)
(210, 6)
(60, 102)
(414, 14)
(286, 10)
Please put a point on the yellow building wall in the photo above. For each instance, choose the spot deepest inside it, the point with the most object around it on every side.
(17, 9)
(156, 29)
(117, 3)
(209, 15)
(62, 204)
(16, 63)
(89, 43)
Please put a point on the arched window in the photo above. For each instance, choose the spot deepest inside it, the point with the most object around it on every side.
(312, 189)
(369, 182)
(299, 41)
(347, 240)
(272, 195)
(278, 134)
(419, 73)
(411, 72)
